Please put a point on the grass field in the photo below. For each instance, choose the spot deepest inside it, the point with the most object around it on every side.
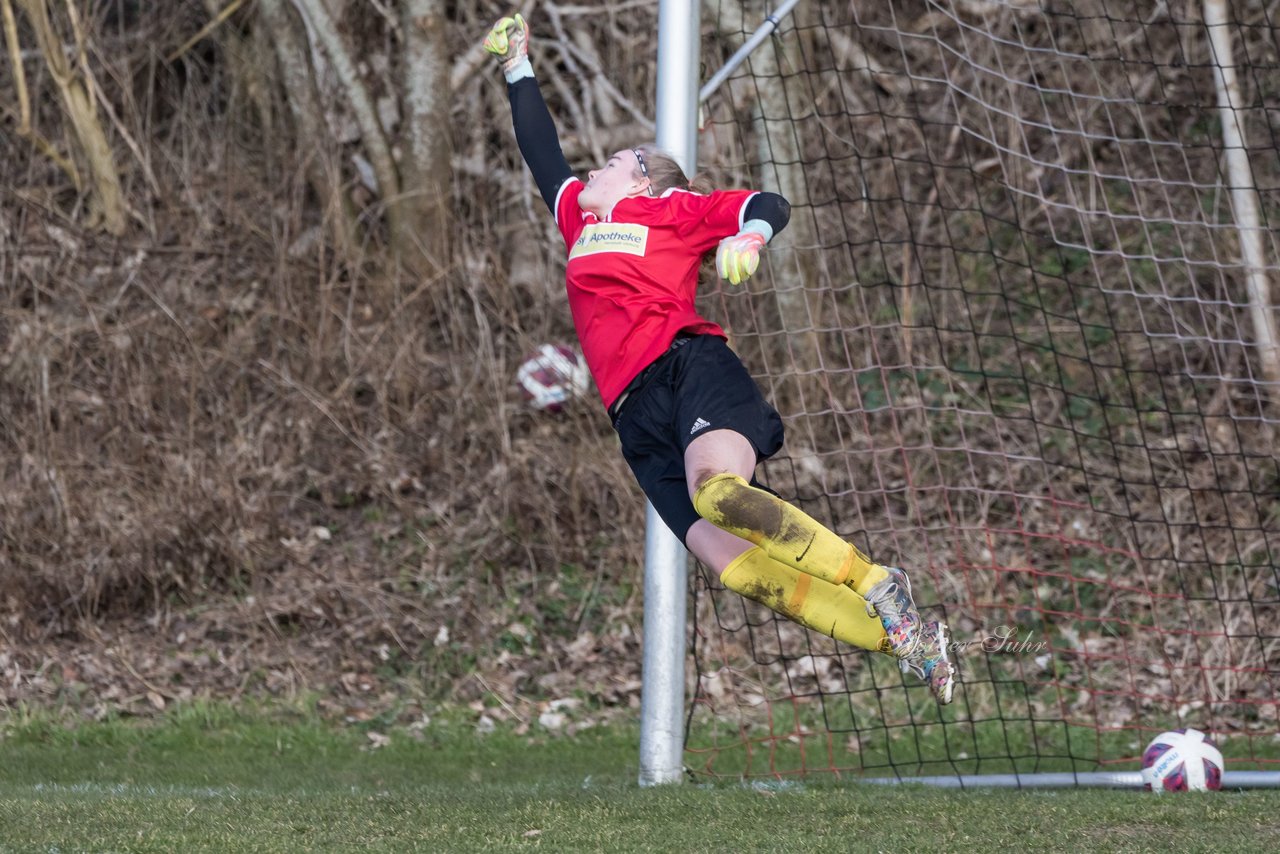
(211, 779)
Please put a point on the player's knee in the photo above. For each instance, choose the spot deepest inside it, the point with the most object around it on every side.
(713, 490)
(702, 475)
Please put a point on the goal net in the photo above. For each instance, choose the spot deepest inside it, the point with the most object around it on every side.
(1020, 332)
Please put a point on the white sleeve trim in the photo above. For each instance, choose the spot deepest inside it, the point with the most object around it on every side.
(555, 210)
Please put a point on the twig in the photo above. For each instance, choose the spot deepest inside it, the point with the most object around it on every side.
(222, 16)
(96, 92)
(49, 150)
(155, 689)
(598, 78)
(319, 404)
(585, 121)
(926, 220)
(46, 147)
(19, 76)
(78, 103)
(500, 700)
(373, 136)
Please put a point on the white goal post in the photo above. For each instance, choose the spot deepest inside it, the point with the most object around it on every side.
(666, 562)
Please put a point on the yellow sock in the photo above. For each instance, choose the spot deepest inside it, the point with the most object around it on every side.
(786, 533)
(832, 609)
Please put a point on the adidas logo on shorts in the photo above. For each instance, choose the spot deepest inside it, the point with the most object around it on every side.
(700, 424)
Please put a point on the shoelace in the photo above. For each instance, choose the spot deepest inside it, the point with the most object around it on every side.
(886, 601)
(887, 604)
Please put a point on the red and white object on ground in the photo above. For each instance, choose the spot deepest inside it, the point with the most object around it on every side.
(1183, 760)
(551, 376)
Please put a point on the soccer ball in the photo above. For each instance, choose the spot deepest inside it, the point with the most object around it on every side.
(1184, 760)
(551, 376)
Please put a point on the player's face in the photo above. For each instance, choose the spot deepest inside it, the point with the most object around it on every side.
(620, 178)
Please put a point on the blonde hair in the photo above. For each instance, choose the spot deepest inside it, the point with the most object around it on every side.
(665, 173)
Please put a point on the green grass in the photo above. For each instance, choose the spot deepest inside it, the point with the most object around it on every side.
(214, 780)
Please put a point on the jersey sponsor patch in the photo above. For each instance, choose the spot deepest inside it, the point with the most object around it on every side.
(626, 238)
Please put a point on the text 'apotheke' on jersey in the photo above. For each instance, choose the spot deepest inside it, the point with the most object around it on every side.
(627, 238)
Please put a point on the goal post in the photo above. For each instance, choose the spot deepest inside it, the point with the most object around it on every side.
(1018, 333)
(666, 561)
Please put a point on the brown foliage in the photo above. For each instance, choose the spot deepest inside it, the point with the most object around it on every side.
(242, 449)
(221, 438)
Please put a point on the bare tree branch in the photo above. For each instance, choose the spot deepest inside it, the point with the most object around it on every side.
(372, 136)
(310, 133)
(78, 104)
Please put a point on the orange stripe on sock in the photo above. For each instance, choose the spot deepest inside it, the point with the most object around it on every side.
(843, 575)
(800, 593)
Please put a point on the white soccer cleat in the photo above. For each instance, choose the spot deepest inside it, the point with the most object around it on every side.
(931, 661)
(921, 648)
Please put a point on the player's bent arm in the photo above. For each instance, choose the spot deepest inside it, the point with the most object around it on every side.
(769, 208)
(738, 256)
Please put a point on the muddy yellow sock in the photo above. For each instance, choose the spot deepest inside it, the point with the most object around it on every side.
(832, 609)
(786, 533)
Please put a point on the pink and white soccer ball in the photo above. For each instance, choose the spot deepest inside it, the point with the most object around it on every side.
(1183, 760)
(551, 376)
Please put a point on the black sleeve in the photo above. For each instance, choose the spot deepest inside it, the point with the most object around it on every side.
(536, 135)
(771, 208)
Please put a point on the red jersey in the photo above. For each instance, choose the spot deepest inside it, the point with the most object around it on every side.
(633, 276)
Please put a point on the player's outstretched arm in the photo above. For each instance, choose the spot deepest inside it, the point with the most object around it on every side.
(508, 42)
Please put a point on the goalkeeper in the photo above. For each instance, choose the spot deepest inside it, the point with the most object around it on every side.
(691, 420)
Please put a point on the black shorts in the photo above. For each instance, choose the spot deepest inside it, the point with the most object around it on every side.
(699, 386)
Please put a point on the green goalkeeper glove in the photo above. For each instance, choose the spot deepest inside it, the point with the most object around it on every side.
(739, 256)
(508, 41)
